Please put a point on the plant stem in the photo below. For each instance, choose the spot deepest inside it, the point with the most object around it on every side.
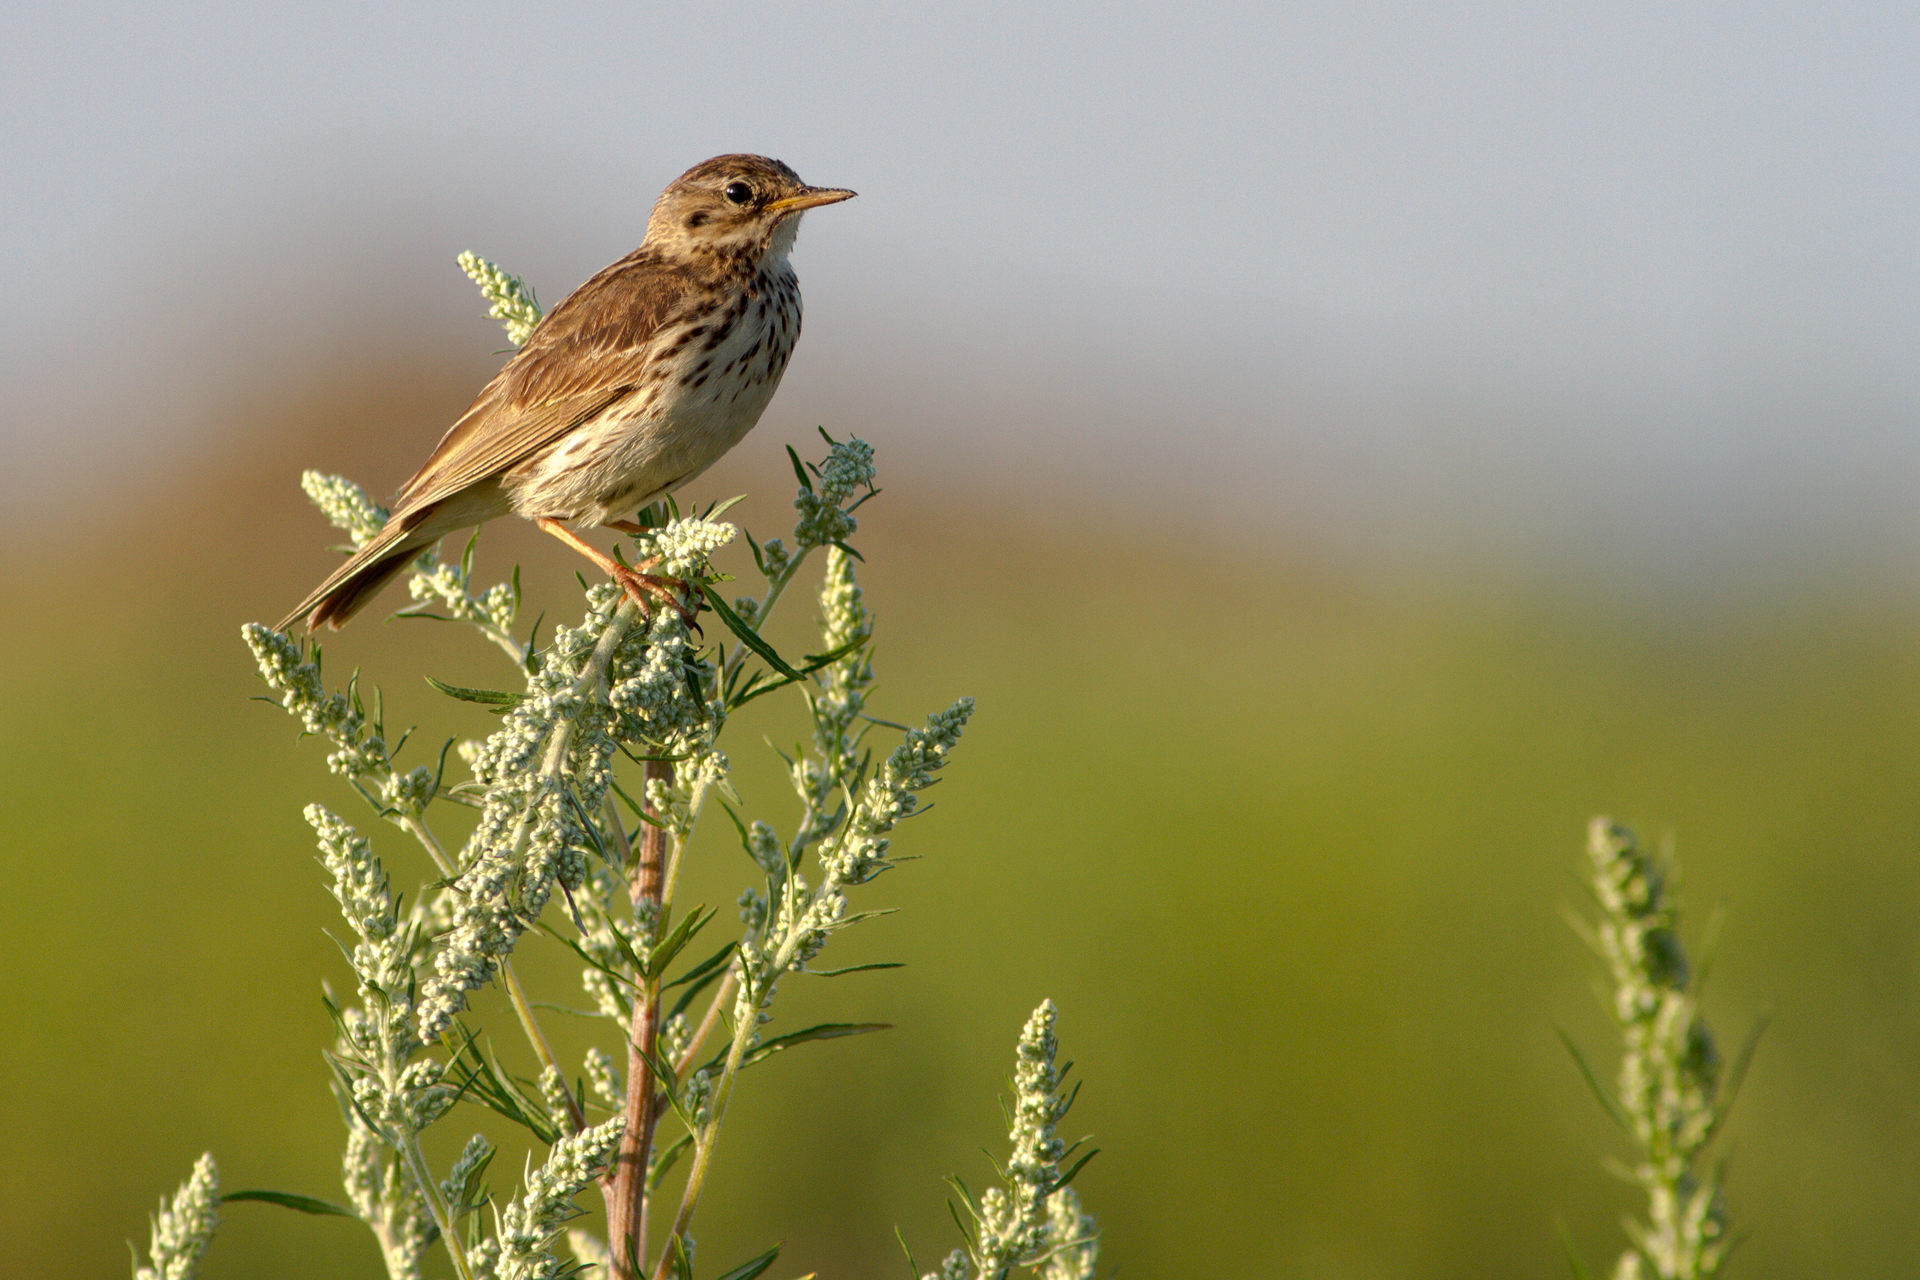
(517, 994)
(626, 1192)
(704, 1140)
(747, 1022)
(409, 1147)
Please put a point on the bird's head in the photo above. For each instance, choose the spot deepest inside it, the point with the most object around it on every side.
(738, 204)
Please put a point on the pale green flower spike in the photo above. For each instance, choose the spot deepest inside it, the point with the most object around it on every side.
(183, 1229)
(1670, 1073)
(1075, 1244)
(532, 1222)
(1031, 1220)
(513, 306)
(346, 505)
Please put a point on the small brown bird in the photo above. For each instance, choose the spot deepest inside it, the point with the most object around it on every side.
(635, 384)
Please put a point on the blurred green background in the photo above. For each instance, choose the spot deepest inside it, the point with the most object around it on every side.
(1342, 447)
(1289, 849)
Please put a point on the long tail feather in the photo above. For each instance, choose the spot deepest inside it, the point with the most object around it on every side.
(354, 584)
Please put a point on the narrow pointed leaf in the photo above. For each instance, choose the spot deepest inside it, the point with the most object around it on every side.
(690, 924)
(287, 1200)
(1607, 1103)
(856, 968)
(824, 1031)
(913, 1268)
(748, 1270)
(490, 697)
(1574, 1264)
(666, 1160)
(749, 637)
(704, 968)
(1073, 1172)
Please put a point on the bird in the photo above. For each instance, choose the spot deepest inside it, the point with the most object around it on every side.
(635, 384)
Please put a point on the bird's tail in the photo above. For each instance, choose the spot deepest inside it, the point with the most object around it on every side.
(354, 584)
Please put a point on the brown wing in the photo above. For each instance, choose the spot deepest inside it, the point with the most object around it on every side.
(587, 354)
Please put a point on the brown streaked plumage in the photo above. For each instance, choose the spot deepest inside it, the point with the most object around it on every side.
(635, 384)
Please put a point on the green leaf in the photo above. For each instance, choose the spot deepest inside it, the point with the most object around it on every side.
(495, 1090)
(702, 969)
(287, 1200)
(913, 1268)
(663, 953)
(467, 1204)
(815, 661)
(750, 637)
(799, 471)
(623, 979)
(748, 1270)
(856, 968)
(1730, 1082)
(660, 1067)
(824, 1031)
(698, 980)
(666, 1159)
(1073, 1172)
(1607, 1102)
(490, 697)
(1574, 1264)
(959, 1184)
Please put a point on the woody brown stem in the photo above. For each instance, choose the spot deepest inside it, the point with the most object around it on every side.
(626, 1185)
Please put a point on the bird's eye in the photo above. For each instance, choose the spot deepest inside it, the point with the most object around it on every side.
(738, 192)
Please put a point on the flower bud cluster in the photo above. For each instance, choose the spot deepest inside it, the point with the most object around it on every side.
(604, 1076)
(417, 1098)
(183, 1229)
(1014, 1223)
(530, 1224)
(1670, 1072)
(859, 853)
(303, 695)
(384, 957)
(514, 305)
(823, 517)
(842, 695)
(345, 505)
(547, 765)
(1031, 1221)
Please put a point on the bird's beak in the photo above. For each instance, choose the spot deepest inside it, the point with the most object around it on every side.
(808, 197)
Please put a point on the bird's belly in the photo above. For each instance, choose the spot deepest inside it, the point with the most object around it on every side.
(688, 411)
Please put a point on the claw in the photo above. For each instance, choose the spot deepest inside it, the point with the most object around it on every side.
(643, 588)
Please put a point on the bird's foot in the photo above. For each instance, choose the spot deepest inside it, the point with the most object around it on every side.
(648, 589)
(645, 589)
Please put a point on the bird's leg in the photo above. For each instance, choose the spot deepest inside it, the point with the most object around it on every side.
(638, 585)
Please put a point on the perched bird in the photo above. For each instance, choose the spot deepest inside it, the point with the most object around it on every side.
(634, 385)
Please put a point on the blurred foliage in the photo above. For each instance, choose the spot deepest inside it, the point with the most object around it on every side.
(1289, 850)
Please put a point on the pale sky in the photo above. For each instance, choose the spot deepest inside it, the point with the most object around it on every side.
(1635, 280)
